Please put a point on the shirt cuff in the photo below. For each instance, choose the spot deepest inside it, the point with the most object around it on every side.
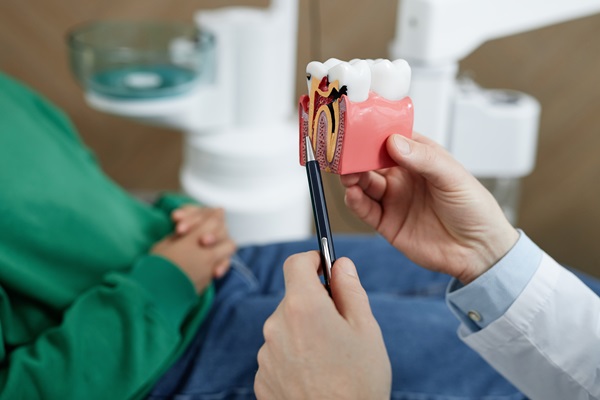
(170, 288)
(487, 298)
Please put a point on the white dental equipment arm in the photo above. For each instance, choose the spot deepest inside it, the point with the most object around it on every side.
(493, 133)
(440, 31)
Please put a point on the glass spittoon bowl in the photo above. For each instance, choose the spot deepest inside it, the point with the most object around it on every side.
(140, 59)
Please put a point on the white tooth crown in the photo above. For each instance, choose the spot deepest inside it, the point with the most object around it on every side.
(315, 70)
(388, 79)
(332, 62)
(356, 78)
(318, 70)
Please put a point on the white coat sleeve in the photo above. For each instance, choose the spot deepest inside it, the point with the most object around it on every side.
(548, 342)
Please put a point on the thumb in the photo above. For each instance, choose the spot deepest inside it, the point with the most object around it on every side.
(348, 294)
(426, 158)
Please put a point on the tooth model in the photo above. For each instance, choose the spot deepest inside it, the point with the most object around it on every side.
(350, 111)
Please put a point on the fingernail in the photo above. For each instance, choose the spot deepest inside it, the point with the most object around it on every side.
(402, 144)
(348, 269)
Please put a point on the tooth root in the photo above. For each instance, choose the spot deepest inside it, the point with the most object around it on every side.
(356, 78)
(390, 80)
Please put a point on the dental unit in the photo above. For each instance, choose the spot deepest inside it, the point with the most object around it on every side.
(237, 114)
(351, 109)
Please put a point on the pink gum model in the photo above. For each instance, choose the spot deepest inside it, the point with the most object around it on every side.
(350, 137)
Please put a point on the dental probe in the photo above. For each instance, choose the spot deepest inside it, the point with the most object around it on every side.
(319, 206)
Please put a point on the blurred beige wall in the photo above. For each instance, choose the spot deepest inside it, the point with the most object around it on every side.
(559, 65)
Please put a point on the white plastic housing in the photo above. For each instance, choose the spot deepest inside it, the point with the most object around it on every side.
(177, 112)
(260, 66)
(432, 91)
(494, 132)
(254, 174)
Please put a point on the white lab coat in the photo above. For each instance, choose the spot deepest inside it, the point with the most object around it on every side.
(548, 342)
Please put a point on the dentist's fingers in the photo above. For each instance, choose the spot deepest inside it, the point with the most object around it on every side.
(371, 182)
(349, 296)
(426, 158)
(350, 179)
(363, 206)
(300, 273)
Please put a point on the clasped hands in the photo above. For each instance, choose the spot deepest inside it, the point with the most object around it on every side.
(200, 244)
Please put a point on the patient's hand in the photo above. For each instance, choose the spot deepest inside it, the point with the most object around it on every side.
(190, 216)
(316, 348)
(203, 250)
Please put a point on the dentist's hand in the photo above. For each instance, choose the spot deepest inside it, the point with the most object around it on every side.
(316, 348)
(432, 209)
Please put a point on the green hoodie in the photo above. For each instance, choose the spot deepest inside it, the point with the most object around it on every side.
(85, 312)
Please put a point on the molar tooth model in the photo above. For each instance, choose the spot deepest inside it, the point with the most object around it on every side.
(350, 111)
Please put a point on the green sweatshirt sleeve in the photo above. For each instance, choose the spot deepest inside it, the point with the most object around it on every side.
(116, 338)
(170, 201)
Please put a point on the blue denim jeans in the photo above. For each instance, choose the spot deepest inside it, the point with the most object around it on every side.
(429, 362)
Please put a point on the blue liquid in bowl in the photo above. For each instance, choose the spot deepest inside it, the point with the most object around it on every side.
(143, 81)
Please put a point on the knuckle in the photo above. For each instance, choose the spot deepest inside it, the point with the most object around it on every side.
(260, 389)
(261, 356)
(428, 154)
(232, 246)
(301, 260)
(227, 249)
(299, 309)
(292, 260)
(269, 329)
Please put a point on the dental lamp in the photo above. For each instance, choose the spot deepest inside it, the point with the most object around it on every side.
(493, 133)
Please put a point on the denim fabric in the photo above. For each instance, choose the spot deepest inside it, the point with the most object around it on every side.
(429, 362)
